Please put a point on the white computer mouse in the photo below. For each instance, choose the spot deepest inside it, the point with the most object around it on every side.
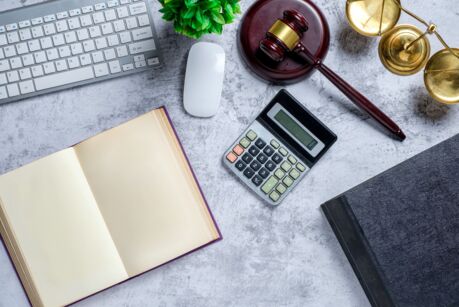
(204, 79)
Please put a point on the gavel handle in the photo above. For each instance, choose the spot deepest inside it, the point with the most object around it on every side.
(355, 96)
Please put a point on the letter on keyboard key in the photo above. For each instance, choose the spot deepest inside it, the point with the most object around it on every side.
(64, 78)
(142, 33)
(26, 87)
(101, 70)
(142, 46)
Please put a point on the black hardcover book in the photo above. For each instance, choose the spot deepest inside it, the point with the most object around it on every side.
(400, 230)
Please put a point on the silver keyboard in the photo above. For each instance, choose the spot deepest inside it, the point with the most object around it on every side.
(64, 43)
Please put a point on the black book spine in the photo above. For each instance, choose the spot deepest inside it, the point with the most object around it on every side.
(355, 246)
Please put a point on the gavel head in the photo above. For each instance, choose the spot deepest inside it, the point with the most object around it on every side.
(284, 35)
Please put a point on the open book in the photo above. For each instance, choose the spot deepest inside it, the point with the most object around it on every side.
(98, 213)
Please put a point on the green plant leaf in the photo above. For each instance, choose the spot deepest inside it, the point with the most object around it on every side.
(218, 18)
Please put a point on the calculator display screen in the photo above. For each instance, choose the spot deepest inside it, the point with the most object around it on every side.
(295, 129)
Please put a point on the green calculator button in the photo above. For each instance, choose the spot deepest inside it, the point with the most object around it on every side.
(288, 181)
(294, 174)
(251, 135)
(283, 151)
(245, 142)
(286, 166)
(281, 188)
(275, 144)
(274, 196)
(269, 184)
(300, 167)
(279, 173)
(292, 159)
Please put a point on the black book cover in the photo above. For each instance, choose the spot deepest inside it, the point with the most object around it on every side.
(400, 230)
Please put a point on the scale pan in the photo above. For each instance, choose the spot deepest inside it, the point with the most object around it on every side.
(441, 76)
(372, 17)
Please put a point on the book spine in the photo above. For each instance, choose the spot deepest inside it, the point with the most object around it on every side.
(358, 252)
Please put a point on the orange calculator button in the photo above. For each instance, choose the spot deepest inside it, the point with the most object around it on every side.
(231, 157)
(238, 150)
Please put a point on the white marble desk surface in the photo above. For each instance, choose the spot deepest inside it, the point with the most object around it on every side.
(282, 257)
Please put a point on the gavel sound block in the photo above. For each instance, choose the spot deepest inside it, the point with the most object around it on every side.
(259, 18)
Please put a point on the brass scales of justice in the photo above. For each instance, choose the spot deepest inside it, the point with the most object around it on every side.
(404, 49)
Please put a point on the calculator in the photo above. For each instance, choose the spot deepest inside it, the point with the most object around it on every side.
(277, 150)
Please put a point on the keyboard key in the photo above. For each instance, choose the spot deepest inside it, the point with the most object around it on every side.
(112, 3)
(300, 167)
(11, 27)
(70, 37)
(270, 165)
(274, 196)
(49, 68)
(62, 26)
(98, 17)
(37, 21)
(73, 62)
(3, 40)
(286, 166)
(260, 143)
(22, 48)
(101, 43)
(238, 150)
(24, 24)
(240, 165)
(251, 135)
(3, 92)
(257, 180)
(101, 70)
(25, 34)
(127, 67)
(86, 20)
(82, 34)
(269, 151)
(76, 48)
(131, 23)
(64, 78)
(25, 73)
(292, 159)
(2, 55)
(269, 184)
(95, 31)
(97, 57)
(115, 67)
(61, 65)
(231, 157)
(281, 188)
(264, 173)
(49, 18)
(247, 158)
(122, 12)
(52, 54)
(12, 76)
(253, 150)
(143, 20)
(245, 142)
(58, 39)
(287, 181)
(110, 15)
(4, 65)
(74, 23)
(87, 9)
(85, 59)
(262, 158)
(279, 173)
(13, 89)
(153, 61)
(2, 29)
(125, 37)
(16, 62)
(109, 54)
(100, 6)
(26, 87)
(277, 158)
(62, 15)
(49, 29)
(107, 28)
(255, 165)
(142, 33)
(119, 25)
(294, 174)
(13, 37)
(75, 12)
(140, 64)
(3, 79)
(249, 172)
(37, 32)
(89, 45)
(34, 45)
(37, 71)
(46, 42)
(137, 8)
(27, 59)
(283, 151)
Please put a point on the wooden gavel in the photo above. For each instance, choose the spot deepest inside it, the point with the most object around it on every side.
(285, 36)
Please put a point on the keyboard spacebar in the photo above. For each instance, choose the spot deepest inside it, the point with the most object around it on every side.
(64, 78)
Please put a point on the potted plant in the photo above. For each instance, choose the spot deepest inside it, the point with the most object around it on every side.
(195, 18)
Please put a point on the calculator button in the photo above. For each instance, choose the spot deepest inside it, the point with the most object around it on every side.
(231, 157)
(275, 144)
(269, 184)
(263, 173)
(251, 135)
(277, 158)
(281, 188)
(283, 151)
(255, 165)
(247, 158)
(274, 196)
(262, 158)
(268, 151)
(257, 180)
(260, 143)
(286, 166)
(254, 150)
(240, 165)
(292, 159)
(288, 181)
(279, 173)
(270, 165)
(294, 174)
(300, 167)
(245, 142)
(249, 172)
(238, 150)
